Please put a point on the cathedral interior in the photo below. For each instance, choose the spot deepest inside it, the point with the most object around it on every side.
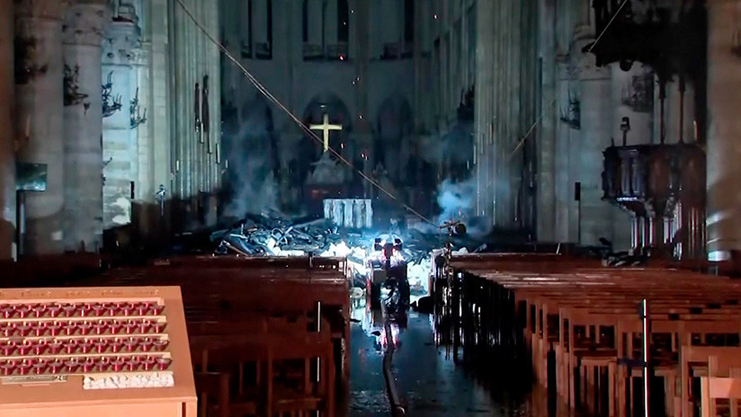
(370, 207)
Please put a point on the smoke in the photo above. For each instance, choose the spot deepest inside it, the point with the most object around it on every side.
(254, 188)
(457, 200)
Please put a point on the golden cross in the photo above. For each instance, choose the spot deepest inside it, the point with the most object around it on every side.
(326, 127)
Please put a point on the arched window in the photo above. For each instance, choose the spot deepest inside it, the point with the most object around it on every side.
(263, 22)
(343, 21)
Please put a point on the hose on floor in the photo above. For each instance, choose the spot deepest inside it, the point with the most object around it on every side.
(397, 410)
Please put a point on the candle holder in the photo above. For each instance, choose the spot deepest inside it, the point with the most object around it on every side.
(159, 326)
(85, 310)
(131, 327)
(70, 346)
(24, 328)
(99, 309)
(115, 326)
(118, 364)
(39, 328)
(86, 346)
(55, 328)
(85, 327)
(7, 347)
(148, 363)
(127, 308)
(39, 347)
(145, 345)
(39, 367)
(163, 363)
(8, 329)
(111, 308)
(8, 367)
(55, 366)
(115, 345)
(70, 328)
(88, 364)
(157, 309)
(24, 367)
(101, 327)
(103, 364)
(145, 326)
(69, 310)
(39, 310)
(24, 347)
(7, 310)
(71, 365)
(55, 346)
(101, 345)
(160, 345)
(54, 310)
(23, 310)
(143, 308)
(132, 364)
(131, 344)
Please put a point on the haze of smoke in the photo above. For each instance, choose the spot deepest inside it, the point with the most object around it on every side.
(255, 189)
(456, 199)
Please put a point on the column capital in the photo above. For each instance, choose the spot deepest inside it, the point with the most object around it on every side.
(84, 21)
(122, 38)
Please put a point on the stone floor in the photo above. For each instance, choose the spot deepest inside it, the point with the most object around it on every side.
(429, 383)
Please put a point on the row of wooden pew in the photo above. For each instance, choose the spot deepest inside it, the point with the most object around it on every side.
(268, 336)
(580, 325)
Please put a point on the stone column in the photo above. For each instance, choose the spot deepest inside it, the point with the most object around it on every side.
(549, 158)
(595, 219)
(122, 37)
(483, 107)
(7, 152)
(724, 129)
(39, 101)
(83, 125)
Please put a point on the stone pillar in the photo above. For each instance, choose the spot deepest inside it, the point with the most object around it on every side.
(39, 101)
(122, 37)
(566, 151)
(160, 113)
(83, 125)
(724, 129)
(7, 152)
(594, 215)
(549, 159)
(483, 107)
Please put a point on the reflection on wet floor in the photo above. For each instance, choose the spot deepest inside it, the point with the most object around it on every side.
(429, 382)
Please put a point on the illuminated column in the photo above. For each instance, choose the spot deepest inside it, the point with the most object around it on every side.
(483, 108)
(724, 129)
(83, 125)
(594, 215)
(39, 108)
(7, 153)
(122, 37)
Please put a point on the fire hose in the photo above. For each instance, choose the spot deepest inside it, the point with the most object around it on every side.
(397, 409)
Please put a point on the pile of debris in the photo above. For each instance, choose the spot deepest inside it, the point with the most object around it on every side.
(262, 235)
(276, 236)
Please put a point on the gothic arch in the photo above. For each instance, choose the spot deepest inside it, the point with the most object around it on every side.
(309, 150)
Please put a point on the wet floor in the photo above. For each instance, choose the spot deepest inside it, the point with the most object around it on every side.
(429, 382)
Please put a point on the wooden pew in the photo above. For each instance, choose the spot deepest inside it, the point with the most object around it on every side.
(586, 315)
